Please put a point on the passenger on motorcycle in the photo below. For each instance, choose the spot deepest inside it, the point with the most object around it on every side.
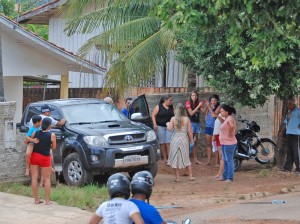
(141, 189)
(118, 209)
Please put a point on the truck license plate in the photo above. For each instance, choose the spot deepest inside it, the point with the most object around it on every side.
(132, 159)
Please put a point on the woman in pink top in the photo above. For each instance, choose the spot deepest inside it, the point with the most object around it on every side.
(228, 142)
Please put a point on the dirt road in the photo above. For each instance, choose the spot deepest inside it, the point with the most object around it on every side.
(205, 200)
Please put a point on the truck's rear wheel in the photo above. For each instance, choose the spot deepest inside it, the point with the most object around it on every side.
(74, 173)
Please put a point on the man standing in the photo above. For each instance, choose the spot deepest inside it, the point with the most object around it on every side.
(292, 127)
(126, 108)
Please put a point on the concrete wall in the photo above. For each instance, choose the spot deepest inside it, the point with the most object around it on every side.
(12, 148)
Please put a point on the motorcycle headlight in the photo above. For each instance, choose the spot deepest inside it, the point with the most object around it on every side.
(95, 141)
(151, 136)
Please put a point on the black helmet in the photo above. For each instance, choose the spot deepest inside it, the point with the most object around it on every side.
(118, 184)
(142, 183)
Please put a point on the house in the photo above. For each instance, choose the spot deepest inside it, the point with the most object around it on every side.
(47, 15)
(27, 55)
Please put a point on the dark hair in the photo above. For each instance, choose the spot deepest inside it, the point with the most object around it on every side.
(215, 96)
(229, 109)
(128, 98)
(194, 104)
(36, 118)
(164, 98)
(46, 123)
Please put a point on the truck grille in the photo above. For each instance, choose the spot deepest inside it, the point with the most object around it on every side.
(127, 139)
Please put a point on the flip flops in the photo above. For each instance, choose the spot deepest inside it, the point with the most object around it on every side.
(39, 202)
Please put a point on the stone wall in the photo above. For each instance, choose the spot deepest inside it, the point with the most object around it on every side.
(12, 148)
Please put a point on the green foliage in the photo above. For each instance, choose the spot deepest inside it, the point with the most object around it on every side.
(41, 30)
(88, 197)
(7, 7)
(247, 49)
(134, 39)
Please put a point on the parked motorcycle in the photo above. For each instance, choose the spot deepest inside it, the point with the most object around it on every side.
(250, 146)
(187, 221)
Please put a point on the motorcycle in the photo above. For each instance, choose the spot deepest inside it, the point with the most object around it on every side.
(251, 146)
(187, 221)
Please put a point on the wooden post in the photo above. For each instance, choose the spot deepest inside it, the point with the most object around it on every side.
(64, 87)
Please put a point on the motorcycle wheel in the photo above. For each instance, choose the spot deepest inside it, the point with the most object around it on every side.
(265, 151)
(237, 163)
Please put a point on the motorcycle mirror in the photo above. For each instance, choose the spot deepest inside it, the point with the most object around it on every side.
(187, 221)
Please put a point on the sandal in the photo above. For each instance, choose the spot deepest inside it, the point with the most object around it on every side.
(39, 202)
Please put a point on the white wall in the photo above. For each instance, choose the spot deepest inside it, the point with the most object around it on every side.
(13, 91)
(175, 71)
(73, 43)
(19, 59)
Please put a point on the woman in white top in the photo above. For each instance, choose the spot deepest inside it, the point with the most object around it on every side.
(216, 143)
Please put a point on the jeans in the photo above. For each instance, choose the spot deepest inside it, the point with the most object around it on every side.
(228, 153)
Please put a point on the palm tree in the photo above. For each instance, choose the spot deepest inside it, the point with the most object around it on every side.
(136, 41)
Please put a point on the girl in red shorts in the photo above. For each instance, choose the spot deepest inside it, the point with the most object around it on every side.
(41, 158)
(216, 140)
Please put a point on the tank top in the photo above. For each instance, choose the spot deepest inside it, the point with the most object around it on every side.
(210, 120)
(164, 115)
(43, 147)
(195, 117)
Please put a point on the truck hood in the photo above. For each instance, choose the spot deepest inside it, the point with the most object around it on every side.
(108, 128)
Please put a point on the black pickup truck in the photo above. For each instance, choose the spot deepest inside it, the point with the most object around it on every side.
(98, 139)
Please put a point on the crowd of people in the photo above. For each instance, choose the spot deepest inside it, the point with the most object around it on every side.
(178, 134)
(177, 130)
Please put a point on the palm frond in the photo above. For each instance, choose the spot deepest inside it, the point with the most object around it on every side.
(141, 63)
(123, 37)
(86, 16)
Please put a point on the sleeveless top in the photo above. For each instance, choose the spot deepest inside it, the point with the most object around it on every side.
(210, 120)
(195, 117)
(43, 147)
(164, 115)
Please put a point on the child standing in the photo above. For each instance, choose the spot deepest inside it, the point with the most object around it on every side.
(36, 119)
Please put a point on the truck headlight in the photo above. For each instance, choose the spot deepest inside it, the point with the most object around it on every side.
(151, 136)
(95, 141)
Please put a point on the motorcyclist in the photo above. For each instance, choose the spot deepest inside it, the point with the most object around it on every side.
(141, 189)
(118, 209)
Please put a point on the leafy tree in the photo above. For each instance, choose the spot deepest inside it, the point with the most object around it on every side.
(136, 41)
(249, 49)
(7, 7)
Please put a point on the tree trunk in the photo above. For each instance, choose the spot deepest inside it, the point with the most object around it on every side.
(2, 99)
(281, 138)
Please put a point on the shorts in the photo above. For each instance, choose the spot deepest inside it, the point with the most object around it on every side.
(196, 129)
(217, 140)
(163, 135)
(40, 160)
(209, 131)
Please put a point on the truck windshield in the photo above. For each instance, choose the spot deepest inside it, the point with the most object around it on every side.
(91, 113)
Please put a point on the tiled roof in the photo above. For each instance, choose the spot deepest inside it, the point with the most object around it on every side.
(41, 14)
(42, 6)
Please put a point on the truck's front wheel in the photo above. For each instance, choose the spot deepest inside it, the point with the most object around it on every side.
(74, 173)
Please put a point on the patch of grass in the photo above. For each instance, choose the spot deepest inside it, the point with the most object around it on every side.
(264, 173)
(87, 198)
